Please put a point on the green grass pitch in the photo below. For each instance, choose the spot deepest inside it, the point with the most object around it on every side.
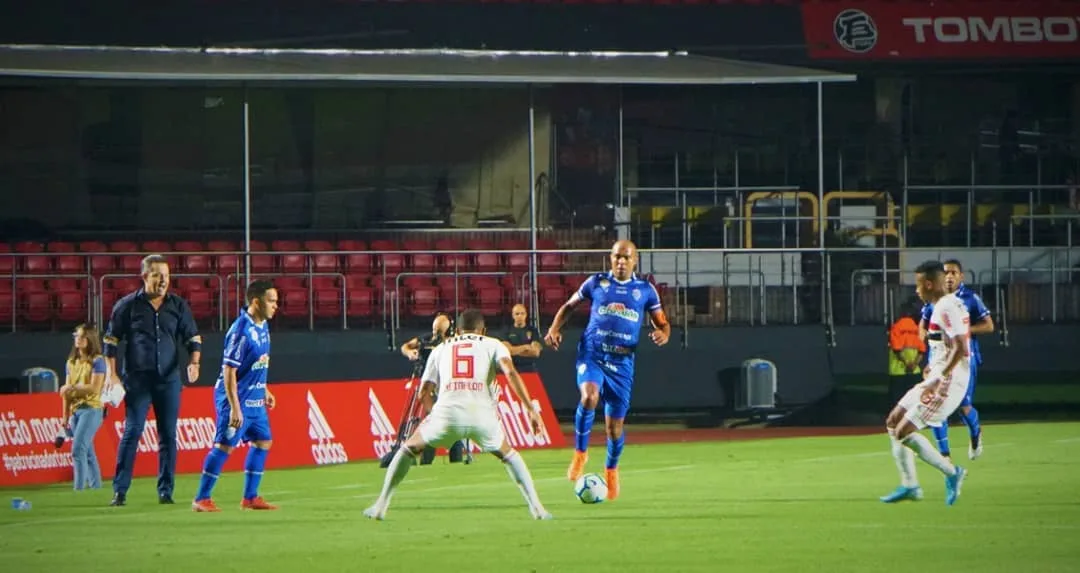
(794, 504)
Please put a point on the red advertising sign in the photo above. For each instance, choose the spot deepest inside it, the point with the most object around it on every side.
(313, 424)
(944, 30)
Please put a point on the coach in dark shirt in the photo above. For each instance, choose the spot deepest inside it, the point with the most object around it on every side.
(153, 322)
(523, 340)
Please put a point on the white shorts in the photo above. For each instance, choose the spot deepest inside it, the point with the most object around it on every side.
(934, 411)
(444, 426)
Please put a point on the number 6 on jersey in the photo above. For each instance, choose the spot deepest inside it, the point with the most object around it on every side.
(464, 363)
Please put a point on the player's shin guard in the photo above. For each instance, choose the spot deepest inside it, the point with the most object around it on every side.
(519, 472)
(971, 419)
(926, 452)
(614, 451)
(253, 471)
(215, 460)
(941, 434)
(583, 423)
(905, 462)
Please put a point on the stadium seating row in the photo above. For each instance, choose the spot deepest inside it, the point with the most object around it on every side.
(66, 300)
(124, 257)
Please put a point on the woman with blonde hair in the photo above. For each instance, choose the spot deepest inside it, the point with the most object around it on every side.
(85, 376)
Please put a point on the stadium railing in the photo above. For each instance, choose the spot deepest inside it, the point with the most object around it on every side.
(400, 289)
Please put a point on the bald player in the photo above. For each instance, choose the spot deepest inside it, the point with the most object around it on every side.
(523, 340)
(619, 302)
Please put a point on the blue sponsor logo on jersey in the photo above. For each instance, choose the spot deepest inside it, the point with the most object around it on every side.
(620, 310)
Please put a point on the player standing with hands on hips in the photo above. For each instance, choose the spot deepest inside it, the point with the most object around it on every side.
(932, 401)
(242, 399)
(154, 322)
(605, 353)
(463, 369)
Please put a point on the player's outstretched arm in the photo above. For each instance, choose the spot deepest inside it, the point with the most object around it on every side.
(517, 385)
(411, 349)
(554, 333)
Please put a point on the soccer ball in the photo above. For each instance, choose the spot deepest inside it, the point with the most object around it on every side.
(591, 488)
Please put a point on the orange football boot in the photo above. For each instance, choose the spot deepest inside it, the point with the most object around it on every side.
(577, 466)
(256, 503)
(612, 478)
(204, 506)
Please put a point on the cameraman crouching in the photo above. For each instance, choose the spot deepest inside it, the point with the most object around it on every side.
(418, 349)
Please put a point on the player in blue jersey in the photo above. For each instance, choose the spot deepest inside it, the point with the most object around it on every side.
(981, 323)
(605, 355)
(242, 399)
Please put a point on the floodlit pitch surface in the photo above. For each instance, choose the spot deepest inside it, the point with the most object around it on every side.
(799, 504)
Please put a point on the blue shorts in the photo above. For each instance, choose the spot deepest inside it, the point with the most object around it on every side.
(614, 378)
(254, 429)
(971, 386)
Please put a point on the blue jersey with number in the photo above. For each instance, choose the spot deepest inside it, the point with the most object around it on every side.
(977, 312)
(619, 310)
(247, 349)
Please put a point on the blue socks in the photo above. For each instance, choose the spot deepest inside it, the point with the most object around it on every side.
(215, 460)
(614, 451)
(583, 423)
(971, 419)
(253, 471)
(941, 434)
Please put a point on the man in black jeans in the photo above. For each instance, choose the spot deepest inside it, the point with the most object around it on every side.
(153, 322)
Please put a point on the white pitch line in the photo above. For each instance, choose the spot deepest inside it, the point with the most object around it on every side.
(1067, 440)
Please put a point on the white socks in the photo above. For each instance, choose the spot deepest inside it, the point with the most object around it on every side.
(928, 453)
(399, 466)
(905, 462)
(519, 472)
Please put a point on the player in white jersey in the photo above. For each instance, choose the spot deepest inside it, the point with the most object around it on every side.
(932, 401)
(462, 371)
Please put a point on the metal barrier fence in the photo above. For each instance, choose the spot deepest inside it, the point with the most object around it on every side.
(701, 288)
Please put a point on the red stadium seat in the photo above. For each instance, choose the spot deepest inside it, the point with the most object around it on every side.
(35, 306)
(23, 285)
(293, 263)
(551, 298)
(414, 281)
(29, 247)
(7, 262)
(227, 264)
(93, 247)
(361, 302)
(156, 247)
(201, 302)
(188, 246)
(422, 260)
(325, 283)
(423, 301)
(60, 247)
(294, 302)
(351, 245)
(6, 285)
(515, 262)
(318, 246)
(325, 263)
(37, 265)
(219, 246)
(476, 282)
(108, 301)
(123, 247)
(357, 281)
(123, 284)
(460, 262)
(70, 264)
(549, 261)
(71, 306)
(65, 285)
(543, 280)
(196, 264)
(489, 299)
(488, 262)
(392, 264)
(130, 264)
(328, 303)
(260, 263)
(284, 245)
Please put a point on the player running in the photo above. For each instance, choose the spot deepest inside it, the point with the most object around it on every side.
(605, 353)
(930, 402)
(463, 369)
(242, 398)
(981, 323)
